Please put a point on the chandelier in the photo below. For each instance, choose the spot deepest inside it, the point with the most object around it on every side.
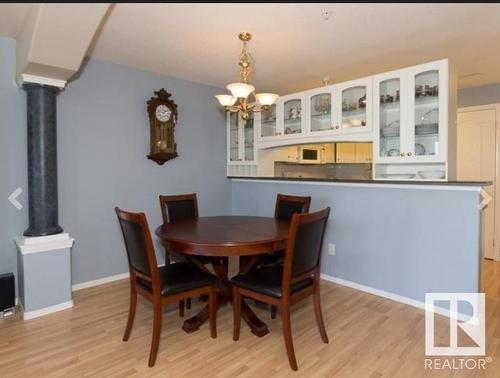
(239, 99)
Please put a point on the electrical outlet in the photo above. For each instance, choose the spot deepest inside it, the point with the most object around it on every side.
(331, 249)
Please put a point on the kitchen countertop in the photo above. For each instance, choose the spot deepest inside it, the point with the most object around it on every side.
(371, 181)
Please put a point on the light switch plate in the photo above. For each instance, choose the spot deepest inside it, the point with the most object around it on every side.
(331, 249)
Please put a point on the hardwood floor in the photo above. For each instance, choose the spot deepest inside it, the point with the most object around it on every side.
(369, 337)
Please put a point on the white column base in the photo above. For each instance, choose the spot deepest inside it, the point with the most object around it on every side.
(44, 274)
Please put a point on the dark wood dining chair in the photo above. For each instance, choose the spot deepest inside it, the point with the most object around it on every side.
(285, 285)
(159, 285)
(285, 207)
(177, 208)
(174, 209)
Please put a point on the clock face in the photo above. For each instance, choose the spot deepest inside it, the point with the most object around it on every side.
(163, 113)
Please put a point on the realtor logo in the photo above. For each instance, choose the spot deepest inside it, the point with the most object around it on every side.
(473, 324)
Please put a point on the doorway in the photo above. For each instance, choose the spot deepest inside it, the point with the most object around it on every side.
(477, 161)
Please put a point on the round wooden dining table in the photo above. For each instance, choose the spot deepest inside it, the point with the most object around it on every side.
(221, 237)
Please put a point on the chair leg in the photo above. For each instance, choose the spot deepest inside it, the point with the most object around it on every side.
(131, 312)
(181, 308)
(273, 312)
(319, 316)
(287, 333)
(188, 303)
(212, 310)
(155, 342)
(236, 313)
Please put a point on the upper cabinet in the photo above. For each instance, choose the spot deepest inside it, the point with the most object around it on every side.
(353, 106)
(320, 119)
(241, 139)
(344, 108)
(291, 115)
(268, 122)
(411, 122)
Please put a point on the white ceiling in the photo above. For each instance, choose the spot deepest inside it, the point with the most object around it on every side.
(294, 47)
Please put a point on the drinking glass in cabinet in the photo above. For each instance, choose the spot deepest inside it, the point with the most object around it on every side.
(427, 113)
(249, 139)
(293, 116)
(268, 121)
(354, 107)
(321, 112)
(233, 137)
(390, 118)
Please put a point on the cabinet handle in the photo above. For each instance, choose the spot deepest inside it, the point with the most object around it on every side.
(337, 127)
(409, 154)
(402, 154)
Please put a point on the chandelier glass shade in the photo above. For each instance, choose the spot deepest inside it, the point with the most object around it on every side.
(239, 99)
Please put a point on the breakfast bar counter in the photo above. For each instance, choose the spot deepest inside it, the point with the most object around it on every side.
(397, 239)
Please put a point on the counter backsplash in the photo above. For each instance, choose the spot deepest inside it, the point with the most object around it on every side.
(360, 171)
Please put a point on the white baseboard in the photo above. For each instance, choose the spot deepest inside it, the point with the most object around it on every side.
(27, 315)
(100, 281)
(391, 296)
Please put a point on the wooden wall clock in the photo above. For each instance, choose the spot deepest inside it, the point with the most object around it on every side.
(162, 112)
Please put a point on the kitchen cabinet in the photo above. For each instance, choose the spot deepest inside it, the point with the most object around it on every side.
(283, 120)
(320, 114)
(354, 106)
(268, 123)
(412, 113)
(353, 152)
(241, 139)
(343, 108)
(291, 115)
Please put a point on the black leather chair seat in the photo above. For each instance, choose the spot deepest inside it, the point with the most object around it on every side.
(275, 258)
(179, 277)
(267, 281)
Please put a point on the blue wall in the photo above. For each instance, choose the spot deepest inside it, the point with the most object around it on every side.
(13, 168)
(403, 241)
(103, 140)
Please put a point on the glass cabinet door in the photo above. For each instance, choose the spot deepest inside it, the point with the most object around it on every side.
(354, 104)
(426, 112)
(389, 114)
(268, 122)
(292, 116)
(320, 113)
(233, 137)
(248, 132)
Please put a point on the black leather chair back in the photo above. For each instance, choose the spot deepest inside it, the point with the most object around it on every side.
(138, 243)
(306, 240)
(179, 208)
(286, 206)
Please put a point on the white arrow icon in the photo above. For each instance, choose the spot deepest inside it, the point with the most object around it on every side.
(13, 198)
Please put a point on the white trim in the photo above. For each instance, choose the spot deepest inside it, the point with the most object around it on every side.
(27, 78)
(460, 187)
(36, 244)
(99, 281)
(46, 310)
(388, 295)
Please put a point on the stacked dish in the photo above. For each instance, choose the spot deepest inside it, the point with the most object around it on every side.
(426, 129)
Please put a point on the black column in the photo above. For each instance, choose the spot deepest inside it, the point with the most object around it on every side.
(42, 160)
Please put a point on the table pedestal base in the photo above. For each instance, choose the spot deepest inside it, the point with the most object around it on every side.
(257, 327)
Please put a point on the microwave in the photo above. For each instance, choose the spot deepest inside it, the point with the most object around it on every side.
(310, 155)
